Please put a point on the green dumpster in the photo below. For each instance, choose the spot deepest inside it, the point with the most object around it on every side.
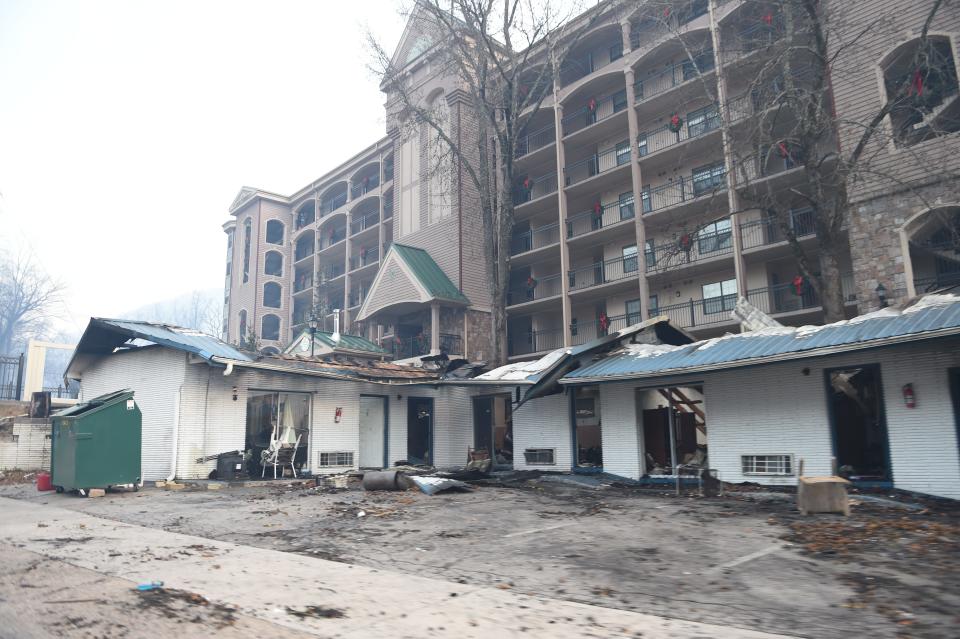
(96, 444)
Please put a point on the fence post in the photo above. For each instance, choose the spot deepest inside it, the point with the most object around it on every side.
(19, 389)
(693, 316)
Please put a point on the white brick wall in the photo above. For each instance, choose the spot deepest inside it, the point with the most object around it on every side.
(27, 447)
(543, 423)
(777, 409)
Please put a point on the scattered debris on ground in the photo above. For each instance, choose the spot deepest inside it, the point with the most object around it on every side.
(187, 606)
(317, 612)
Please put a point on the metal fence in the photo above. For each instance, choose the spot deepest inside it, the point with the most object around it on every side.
(11, 376)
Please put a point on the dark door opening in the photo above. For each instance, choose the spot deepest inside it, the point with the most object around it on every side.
(858, 423)
(493, 428)
(955, 396)
(420, 430)
(587, 433)
(674, 428)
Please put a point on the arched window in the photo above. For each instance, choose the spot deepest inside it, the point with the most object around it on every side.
(306, 215)
(921, 83)
(409, 203)
(271, 294)
(273, 264)
(270, 327)
(439, 164)
(274, 232)
(270, 350)
(247, 231)
(242, 330)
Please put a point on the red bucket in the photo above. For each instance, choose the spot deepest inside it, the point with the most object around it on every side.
(44, 482)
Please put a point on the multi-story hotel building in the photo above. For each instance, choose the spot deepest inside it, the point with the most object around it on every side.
(631, 199)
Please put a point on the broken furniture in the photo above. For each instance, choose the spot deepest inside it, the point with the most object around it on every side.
(96, 444)
(279, 455)
(822, 494)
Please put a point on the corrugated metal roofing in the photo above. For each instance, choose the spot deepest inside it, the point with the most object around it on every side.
(931, 316)
(184, 339)
(430, 275)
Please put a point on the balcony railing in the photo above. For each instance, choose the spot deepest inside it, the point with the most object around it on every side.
(700, 124)
(767, 164)
(535, 140)
(331, 237)
(598, 163)
(362, 223)
(673, 76)
(532, 188)
(770, 231)
(761, 34)
(602, 214)
(303, 250)
(684, 189)
(302, 282)
(364, 186)
(583, 333)
(595, 110)
(689, 250)
(366, 257)
(388, 209)
(535, 341)
(766, 95)
(929, 284)
(535, 289)
(388, 170)
(580, 66)
(356, 298)
(406, 347)
(331, 204)
(599, 273)
(331, 272)
(535, 239)
(651, 30)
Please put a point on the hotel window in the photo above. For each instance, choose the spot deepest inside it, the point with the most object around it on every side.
(243, 326)
(273, 264)
(708, 178)
(439, 165)
(247, 232)
(409, 201)
(630, 258)
(626, 205)
(272, 294)
(650, 253)
(270, 327)
(715, 236)
(703, 120)
(719, 296)
(653, 306)
(623, 152)
(632, 311)
(274, 232)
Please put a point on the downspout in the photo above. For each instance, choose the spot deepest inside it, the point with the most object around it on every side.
(176, 435)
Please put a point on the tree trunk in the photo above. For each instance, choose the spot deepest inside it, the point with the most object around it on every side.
(831, 287)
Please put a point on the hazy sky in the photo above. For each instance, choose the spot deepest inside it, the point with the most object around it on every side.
(127, 127)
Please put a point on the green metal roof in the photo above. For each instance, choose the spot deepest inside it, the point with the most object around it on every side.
(347, 342)
(430, 276)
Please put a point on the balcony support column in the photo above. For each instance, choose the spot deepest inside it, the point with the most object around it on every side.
(733, 197)
(435, 328)
(625, 35)
(566, 313)
(636, 178)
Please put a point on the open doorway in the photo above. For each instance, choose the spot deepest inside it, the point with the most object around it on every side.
(277, 419)
(587, 432)
(858, 423)
(674, 428)
(373, 431)
(420, 430)
(493, 429)
(955, 397)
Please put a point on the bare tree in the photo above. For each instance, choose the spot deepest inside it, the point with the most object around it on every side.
(201, 310)
(29, 300)
(505, 57)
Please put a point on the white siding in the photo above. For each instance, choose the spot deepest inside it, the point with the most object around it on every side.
(155, 375)
(453, 425)
(544, 423)
(622, 445)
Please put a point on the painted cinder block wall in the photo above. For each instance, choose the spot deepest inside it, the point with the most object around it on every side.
(543, 423)
(777, 409)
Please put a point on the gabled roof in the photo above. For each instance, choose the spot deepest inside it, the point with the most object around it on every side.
(347, 343)
(102, 336)
(409, 276)
(933, 316)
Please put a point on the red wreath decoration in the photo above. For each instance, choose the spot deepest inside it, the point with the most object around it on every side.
(531, 283)
(597, 208)
(783, 150)
(527, 183)
(592, 105)
(916, 84)
(397, 341)
(686, 242)
(604, 322)
(768, 19)
(676, 123)
(798, 282)
(666, 12)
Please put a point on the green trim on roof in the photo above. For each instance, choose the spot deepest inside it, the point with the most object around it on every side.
(352, 342)
(430, 276)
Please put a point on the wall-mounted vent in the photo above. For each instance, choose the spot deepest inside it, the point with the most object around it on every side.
(540, 456)
(337, 458)
(767, 464)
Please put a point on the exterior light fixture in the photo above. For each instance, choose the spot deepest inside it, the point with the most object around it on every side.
(312, 323)
(881, 295)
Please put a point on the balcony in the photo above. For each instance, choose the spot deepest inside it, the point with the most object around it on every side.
(687, 188)
(597, 164)
(602, 215)
(303, 249)
(699, 123)
(651, 30)
(768, 163)
(535, 342)
(768, 231)
(367, 257)
(535, 289)
(332, 237)
(388, 169)
(535, 239)
(388, 208)
(929, 284)
(419, 346)
(689, 249)
(580, 66)
(533, 188)
(366, 185)
(535, 141)
(362, 223)
(758, 35)
(673, 76)
(586, 332)
(331, 272)
(596, 110)
(333, 203)
(356, 298)
(600, 273)
(303, 282)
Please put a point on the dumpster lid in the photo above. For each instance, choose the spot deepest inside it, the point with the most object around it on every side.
(97, 402)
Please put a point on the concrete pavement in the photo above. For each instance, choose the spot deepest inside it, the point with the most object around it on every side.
(274, 586)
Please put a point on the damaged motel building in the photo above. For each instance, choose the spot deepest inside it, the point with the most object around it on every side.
(878, 395)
